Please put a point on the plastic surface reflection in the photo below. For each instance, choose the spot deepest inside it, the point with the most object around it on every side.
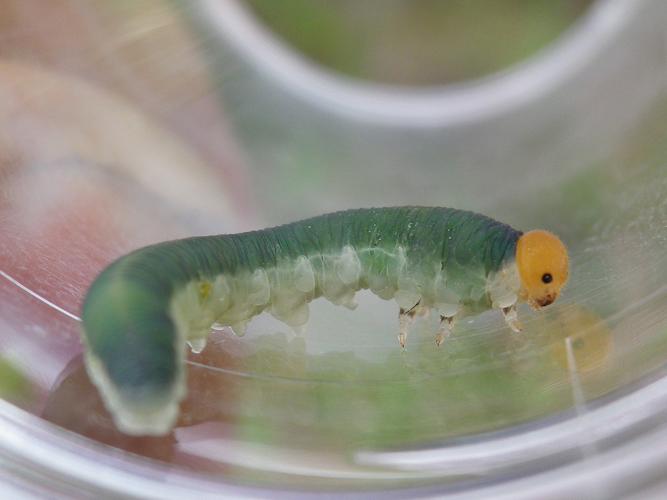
(91, 177)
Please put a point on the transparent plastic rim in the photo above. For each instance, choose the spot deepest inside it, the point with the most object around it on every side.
(38, 449)
(610, 443)
(420, 107)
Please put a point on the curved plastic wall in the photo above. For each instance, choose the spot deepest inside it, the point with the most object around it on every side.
(209, 124)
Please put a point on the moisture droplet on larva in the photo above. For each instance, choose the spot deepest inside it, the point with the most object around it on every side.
(197, 345)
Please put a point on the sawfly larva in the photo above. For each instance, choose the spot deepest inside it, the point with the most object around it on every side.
(143, 308)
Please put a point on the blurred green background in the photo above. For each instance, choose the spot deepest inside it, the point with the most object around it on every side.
(418, 42)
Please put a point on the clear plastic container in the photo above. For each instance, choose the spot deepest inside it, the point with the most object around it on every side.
(99, 158)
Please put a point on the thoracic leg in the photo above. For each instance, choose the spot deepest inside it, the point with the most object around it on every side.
(444, 330)
(405, 319)
(512, 318)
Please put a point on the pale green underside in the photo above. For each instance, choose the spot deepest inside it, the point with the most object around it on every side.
(285, 290)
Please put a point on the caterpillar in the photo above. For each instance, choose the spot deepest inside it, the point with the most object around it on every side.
(142, 309)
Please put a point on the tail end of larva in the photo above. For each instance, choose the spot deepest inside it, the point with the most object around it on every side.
(134, 355)
(136, 412)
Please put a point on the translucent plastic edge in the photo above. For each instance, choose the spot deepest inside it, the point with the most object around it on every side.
(423, 107)
(624, 438)
(598, 426)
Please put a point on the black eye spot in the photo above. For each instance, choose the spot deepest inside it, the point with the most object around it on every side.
(547, 278)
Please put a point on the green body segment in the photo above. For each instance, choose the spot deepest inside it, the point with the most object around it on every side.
(428, 234)
(133, 325)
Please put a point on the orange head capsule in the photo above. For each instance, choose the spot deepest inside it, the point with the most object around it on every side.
(543, 267)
